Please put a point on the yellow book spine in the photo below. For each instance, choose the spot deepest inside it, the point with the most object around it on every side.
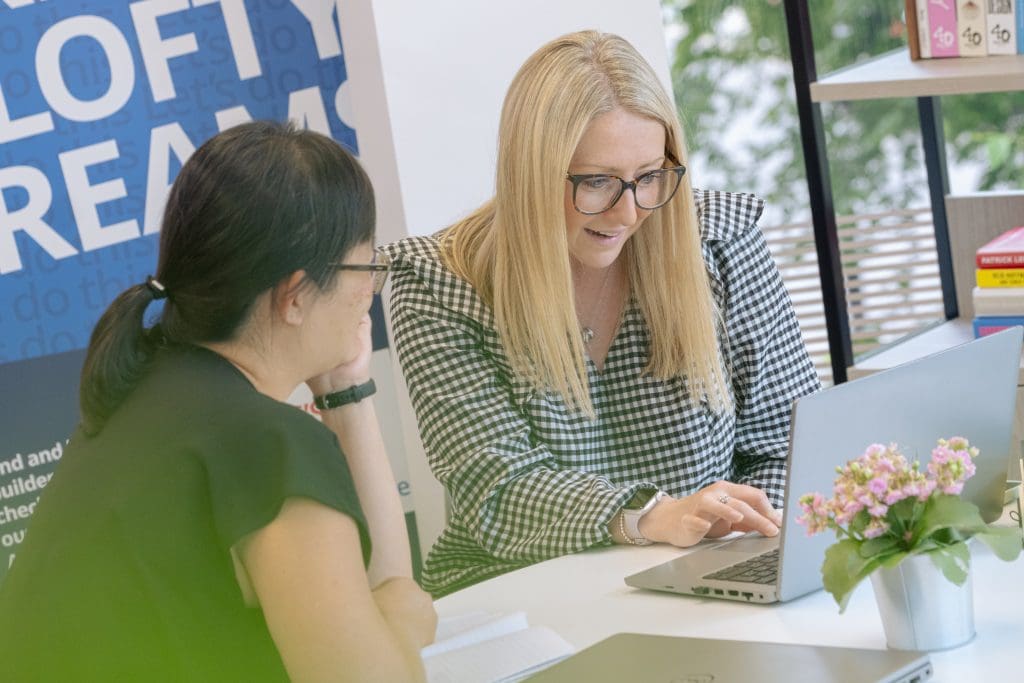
(1000, 277)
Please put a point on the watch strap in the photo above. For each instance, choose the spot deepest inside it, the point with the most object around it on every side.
(353, 394)
(629, 520)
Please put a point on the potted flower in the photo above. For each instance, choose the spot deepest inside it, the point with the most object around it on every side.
(907, 528)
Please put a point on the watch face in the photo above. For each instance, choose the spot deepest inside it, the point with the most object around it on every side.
(640, 498)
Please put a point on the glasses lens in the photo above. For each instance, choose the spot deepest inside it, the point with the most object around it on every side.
(597, 193)
(654, 189)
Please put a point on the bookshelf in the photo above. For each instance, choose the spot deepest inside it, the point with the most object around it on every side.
(894, 74)
(975, 219)
(890, 75)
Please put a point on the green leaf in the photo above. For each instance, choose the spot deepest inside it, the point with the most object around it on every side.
(878, 546)
(954, 561)
(948, 536)
(860, 522)
(1004, 542)
(999, 147)
(902, 509)
(843, 569)
(890, 561)
(949, 512)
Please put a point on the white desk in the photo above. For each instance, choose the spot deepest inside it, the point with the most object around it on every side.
(584, 599)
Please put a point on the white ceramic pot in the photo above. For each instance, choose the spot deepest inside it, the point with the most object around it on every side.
(920, 608)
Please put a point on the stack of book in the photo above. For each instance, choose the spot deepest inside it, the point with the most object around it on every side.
(964, 28)
(999, 296)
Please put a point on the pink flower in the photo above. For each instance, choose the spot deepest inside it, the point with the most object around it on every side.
(815, 515)
(885, 466)
(875, 529)
(969, 469)
(950, 466)
(878, 486)
(941, 455)
(877, 481)
(957, 443)
(849, 511)
(894, 497)
(818, 505)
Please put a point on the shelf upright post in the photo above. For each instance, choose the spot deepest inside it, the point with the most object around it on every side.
(929, 112)
(819, 183)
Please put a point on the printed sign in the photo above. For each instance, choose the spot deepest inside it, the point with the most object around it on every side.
(101, 102)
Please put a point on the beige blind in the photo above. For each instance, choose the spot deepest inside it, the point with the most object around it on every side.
(890, 272)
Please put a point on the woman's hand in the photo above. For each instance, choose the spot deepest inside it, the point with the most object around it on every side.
(712, 512)
(356, 371)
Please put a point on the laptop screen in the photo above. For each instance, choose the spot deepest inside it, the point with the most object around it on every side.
(969, 390)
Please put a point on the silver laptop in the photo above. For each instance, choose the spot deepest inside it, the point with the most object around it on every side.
(667, 659)
(969, 390)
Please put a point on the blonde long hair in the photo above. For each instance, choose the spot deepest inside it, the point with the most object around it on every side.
(514, 250)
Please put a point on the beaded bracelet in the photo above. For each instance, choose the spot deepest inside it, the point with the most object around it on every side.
(622, 530)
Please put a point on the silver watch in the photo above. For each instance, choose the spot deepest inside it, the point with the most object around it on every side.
(638, 506)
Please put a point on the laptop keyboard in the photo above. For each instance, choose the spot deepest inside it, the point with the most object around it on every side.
(763, 568)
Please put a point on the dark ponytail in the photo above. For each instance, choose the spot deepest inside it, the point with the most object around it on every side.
(119, 351)
(251, 206)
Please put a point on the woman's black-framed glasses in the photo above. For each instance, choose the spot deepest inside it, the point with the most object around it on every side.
(380, 267)
(594, 193)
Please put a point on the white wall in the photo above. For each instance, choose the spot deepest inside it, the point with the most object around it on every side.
(426, 82)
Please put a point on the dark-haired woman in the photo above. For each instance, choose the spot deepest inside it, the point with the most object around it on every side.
(198, 528)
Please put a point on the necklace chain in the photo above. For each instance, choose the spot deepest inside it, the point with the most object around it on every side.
(587, 331)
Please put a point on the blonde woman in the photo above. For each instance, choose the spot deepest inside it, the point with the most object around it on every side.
(600, 353)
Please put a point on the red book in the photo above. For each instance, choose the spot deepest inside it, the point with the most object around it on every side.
(1005, 251)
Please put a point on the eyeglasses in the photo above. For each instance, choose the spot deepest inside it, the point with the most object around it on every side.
(380, 267)
(595, 193)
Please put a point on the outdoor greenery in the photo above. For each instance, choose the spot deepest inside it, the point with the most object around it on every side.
(733, 85)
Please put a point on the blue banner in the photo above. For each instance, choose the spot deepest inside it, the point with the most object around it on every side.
(101, 102)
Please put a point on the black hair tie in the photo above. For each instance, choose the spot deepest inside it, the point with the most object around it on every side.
(155, 288)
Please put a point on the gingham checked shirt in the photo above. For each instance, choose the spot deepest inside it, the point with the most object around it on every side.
(529, 478)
